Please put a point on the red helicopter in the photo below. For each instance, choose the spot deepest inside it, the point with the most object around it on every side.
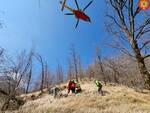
(79, 14)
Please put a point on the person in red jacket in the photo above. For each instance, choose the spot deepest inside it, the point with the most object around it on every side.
(72, 86)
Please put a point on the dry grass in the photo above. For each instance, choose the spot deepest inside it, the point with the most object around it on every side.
(117, 99)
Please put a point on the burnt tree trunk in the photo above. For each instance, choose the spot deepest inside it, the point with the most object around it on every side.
(141, 64)
(102, 69)
(29, 80)
(42, 81)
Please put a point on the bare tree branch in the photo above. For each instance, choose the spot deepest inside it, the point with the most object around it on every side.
(114, 20)
(137, 12)
(146, 56)
(144, 44)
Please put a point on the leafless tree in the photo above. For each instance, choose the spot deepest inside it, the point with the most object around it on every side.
(30, 72)
(59, 74)
(90, 71)
(6, 82)
(40, 59)
(125, 24)
(49, 79)
(75, 61)
(99, 58)
(81, 70)
(18, 70)
(112, 65)
(70, 70)
(46, 76)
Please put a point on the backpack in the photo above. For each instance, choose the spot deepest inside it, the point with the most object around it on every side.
(78, 85)
(73, 85)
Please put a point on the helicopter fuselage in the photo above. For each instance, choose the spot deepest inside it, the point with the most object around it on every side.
(79, 14)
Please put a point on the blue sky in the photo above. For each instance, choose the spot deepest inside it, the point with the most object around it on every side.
(50, 31)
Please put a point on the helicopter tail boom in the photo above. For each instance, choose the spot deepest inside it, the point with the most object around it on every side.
(63, 4)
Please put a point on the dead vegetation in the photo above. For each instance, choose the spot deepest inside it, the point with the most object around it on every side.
(117, 99)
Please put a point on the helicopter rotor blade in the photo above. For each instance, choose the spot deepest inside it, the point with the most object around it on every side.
(63, 4)
(77, 23)
(88, 5)
(77, 4)
(69, 14)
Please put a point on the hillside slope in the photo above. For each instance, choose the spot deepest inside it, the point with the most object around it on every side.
(117, 99)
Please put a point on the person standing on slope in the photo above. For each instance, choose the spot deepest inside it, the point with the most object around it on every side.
(72, 86)
(78, 88)
(99, 86)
